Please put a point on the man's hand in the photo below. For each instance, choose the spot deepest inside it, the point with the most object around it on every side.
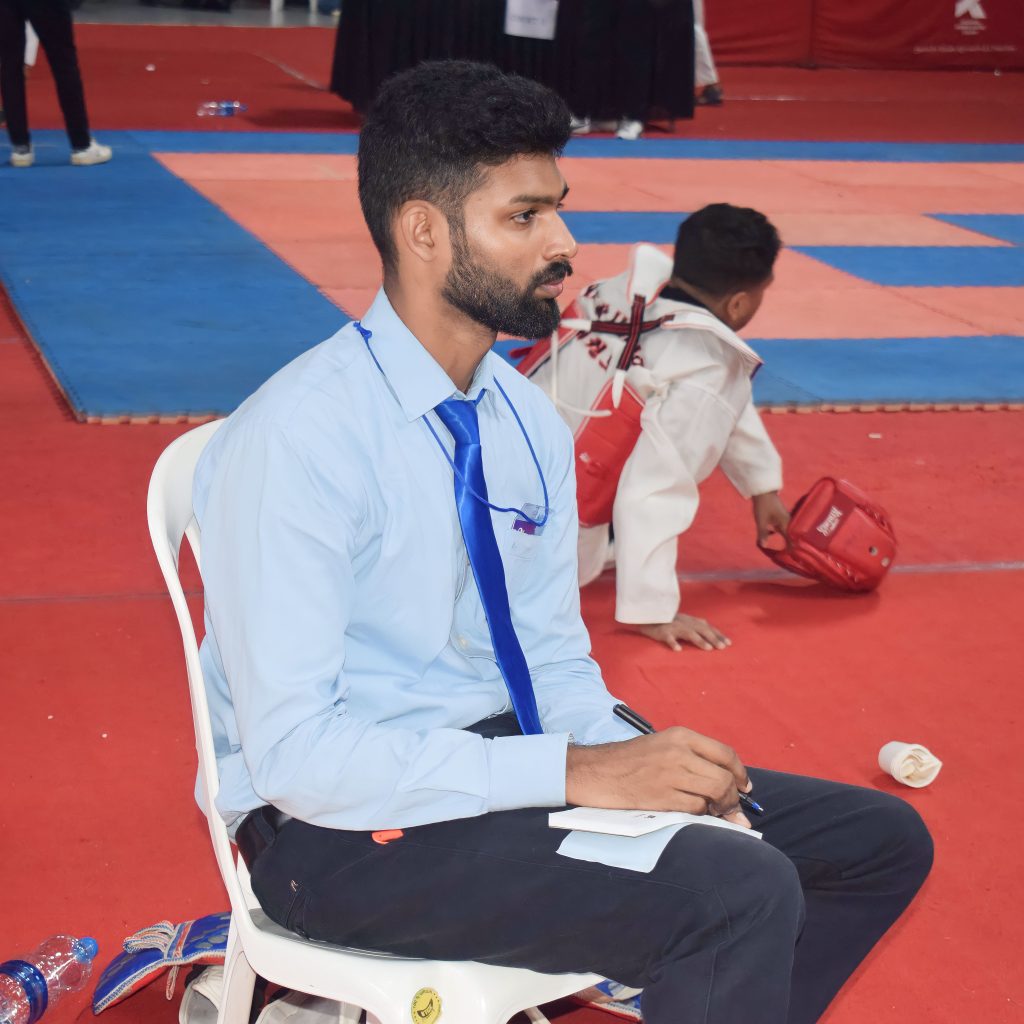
(770, 515)
(674, 770)
(685, 629)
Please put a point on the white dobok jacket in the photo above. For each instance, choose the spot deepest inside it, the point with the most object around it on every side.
(694, 376)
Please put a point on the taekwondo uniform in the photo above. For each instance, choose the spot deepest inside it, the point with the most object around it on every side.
(692, 375)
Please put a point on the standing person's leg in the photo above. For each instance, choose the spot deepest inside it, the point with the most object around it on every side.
(632, 72)
(12, 72)
(709, 92)
(861, 855)
(52, 21)
(587, 45)
(705, 72)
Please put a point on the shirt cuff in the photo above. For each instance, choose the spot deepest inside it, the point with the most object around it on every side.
(527, 771)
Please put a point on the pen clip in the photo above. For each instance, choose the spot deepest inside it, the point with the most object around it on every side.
(628, 715)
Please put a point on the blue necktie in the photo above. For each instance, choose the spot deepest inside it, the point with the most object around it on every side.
(460, 418)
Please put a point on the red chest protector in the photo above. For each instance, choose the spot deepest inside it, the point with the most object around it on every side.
(603, 443)
(610, 430)
(839, 536)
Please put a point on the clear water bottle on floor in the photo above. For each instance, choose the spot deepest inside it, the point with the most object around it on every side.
(221, 108)
(29, 986)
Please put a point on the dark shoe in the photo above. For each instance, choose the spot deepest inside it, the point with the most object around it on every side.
(710, 96)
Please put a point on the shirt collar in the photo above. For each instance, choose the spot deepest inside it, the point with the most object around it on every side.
(415, 377)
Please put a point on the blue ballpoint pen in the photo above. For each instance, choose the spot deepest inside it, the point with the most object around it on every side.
(628, 715)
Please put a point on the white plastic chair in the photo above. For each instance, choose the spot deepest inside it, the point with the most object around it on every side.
(385, 986)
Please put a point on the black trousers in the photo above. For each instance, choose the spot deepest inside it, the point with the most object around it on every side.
(629, 58)
(724, 929)
(52, 22)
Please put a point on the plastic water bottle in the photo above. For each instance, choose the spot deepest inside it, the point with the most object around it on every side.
(59, 965)
(221, 108)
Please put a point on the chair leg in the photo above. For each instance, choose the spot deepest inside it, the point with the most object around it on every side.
(535, 1015)
(349, 1013)
(239, 983)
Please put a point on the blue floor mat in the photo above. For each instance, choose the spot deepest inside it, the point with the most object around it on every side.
(889, 370)
(1006, 227)
(623, 228)
(146, 299)
(925, 266)
(143, 297)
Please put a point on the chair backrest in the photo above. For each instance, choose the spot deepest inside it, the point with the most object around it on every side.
(171, 520)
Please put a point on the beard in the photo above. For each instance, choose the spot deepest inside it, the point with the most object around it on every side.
(497, 302)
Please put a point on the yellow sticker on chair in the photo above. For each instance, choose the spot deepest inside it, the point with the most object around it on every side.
(426, 1006)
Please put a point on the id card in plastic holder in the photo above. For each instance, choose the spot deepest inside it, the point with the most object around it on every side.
(522, 524)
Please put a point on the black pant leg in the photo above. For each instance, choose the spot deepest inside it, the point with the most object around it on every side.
(12, 72)
(53, 24)
(586, 56)
(709, 934)
(861, 855)
(726, 928)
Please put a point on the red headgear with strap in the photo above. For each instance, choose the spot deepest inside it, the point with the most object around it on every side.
(839, 536)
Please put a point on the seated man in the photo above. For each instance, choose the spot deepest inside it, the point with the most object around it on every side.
(692, 372)
(393, 637)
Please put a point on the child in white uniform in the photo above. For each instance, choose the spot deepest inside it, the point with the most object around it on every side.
(692, 374)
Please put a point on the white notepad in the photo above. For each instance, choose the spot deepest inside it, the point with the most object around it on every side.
(627, 839)
(634, 823)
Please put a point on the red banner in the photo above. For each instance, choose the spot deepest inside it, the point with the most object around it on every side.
(913, 34)
(754, 32)
(919, 34)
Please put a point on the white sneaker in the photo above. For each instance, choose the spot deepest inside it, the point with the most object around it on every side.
(584, 125)
(22, 156)
(94, 153)
(629, 130)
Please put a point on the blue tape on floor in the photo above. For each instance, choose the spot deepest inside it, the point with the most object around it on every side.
(768, 149)
(314, 143)
(809, 371)
(143, 297)
(214, 141)
(925, 266)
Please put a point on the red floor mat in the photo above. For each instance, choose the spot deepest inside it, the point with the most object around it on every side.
(73, 503)
(812, 685)
(281, 74)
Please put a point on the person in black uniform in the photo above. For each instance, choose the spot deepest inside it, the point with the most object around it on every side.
(52, 22)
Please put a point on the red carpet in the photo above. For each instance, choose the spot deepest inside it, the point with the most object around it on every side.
(98, 758)
(103, 750)
(281, 75)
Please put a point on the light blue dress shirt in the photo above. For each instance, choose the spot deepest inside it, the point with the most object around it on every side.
(346, 646)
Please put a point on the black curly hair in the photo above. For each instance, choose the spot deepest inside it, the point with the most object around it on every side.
(434, 130)
(723, 249)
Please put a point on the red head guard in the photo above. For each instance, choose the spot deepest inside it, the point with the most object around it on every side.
(838, 536)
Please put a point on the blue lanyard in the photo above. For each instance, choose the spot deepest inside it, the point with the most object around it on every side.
(367, 334)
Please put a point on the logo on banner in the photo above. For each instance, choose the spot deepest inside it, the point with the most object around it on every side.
(969, 16)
